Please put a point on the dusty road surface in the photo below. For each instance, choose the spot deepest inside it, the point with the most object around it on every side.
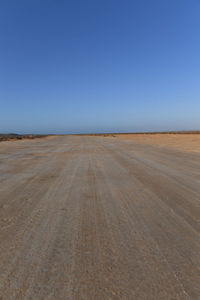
(98, 218)
(189, 142)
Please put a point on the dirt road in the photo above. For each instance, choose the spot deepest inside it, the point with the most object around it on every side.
(98, 218)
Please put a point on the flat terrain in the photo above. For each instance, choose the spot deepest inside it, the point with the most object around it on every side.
(99, 218)
(184, 142)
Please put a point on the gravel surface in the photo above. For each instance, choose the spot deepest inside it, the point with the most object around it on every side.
(98, 218)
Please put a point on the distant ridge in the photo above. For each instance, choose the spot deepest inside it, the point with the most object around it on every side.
(142, 132)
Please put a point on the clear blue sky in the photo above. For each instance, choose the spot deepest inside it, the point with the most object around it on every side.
(93, 66)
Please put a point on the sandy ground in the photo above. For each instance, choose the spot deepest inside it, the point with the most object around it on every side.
(98, 218)
(183, 142)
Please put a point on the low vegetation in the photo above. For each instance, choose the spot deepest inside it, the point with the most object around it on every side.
(14, 136)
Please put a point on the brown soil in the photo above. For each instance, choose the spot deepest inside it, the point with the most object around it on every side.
(99, 218)
(183, 142)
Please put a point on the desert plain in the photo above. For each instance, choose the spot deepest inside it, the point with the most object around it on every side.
(94, 217)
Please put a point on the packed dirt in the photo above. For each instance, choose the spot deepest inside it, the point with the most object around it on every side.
(184, 142)
(99, 218)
